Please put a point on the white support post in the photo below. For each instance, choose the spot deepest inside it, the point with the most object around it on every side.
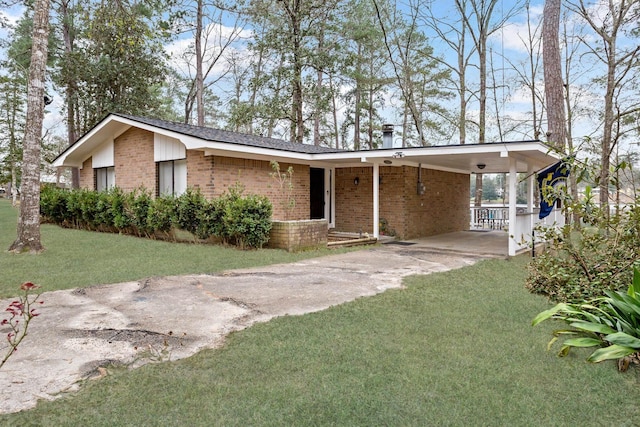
(513, 181)
(531, 191)
(376, 200)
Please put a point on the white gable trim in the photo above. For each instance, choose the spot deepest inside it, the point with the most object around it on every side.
(103, 156)
(167, 148)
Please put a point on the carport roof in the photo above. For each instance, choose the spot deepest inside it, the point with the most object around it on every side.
(455, 158)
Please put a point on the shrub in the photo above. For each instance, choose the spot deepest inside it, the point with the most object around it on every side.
(161, 214)
(137, 207)
(188, 207)
(245, 221)
(209, 220)
(239, 220)
(104, 218)
(53, 204)
(611, 322)
(74, 208)
(584, 263)
(118, 201)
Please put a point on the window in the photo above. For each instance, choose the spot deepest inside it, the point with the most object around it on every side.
(105, 178)
(172, 177)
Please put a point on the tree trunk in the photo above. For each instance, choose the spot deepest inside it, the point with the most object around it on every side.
(29, 219)
(356, 113)
(199, 74)
(336, 128)
(71, 87)
(553, 84)
(319, 82)
(462, 117)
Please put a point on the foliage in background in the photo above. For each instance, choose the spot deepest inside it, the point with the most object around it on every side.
(112, 59)
(583, 263)
(582, 260)
(237, 219)
(611, 322)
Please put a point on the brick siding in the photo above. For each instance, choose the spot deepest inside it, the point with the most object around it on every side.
(354, 203)
(443, 208)
(298, 235)
(86, 175)
(133, 157)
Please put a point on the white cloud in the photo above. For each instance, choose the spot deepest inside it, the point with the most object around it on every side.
(515, 33)
(214, 36)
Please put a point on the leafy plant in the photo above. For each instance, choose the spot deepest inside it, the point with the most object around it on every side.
(241, 220)
(137, 206)
(583, 263)
(611, 322)
(19, 310)
(161, 214)
(188, 206)
(245, 221)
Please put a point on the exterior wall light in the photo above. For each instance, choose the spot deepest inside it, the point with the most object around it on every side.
(356, 181)
(481, 166)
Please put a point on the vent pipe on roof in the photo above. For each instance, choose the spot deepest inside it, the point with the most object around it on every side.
(387, 136)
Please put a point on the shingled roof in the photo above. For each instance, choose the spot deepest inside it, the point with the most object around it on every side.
(218, 135)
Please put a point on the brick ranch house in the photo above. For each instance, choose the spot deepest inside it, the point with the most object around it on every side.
(413, 192)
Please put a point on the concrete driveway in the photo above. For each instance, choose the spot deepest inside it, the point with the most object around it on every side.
(81, 331)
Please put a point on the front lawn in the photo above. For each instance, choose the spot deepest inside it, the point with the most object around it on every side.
(453, 348)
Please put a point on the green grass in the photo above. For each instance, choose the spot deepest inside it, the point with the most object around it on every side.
(75, 258)
(453, 348)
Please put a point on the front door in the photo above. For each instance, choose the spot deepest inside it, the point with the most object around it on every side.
(317, 192)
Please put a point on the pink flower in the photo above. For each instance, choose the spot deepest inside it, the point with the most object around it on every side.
(27, 286)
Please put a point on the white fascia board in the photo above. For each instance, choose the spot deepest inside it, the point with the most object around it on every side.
(246, 151)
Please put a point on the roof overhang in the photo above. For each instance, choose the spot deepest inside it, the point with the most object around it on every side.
(469, 158)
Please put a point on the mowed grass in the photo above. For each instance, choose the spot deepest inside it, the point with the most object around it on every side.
(75, 258)
(451, 349)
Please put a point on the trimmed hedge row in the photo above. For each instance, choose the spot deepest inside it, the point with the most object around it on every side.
(244, 221)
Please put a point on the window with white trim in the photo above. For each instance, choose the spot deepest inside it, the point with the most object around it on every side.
(172, 177)
(105, 178)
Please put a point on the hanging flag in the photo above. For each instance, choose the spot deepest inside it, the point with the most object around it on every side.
(547, 180)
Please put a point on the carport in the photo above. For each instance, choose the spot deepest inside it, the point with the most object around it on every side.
(511, 158)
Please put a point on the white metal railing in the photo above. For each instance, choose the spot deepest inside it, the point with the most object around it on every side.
(493, 218)
(522, 233)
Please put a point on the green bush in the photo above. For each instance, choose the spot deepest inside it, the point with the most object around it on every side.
(585, 263)
(209, 219)
(104, 215)
(138, 203)
(244, 221)
(161, 214)
(120, 218)
(53, 204)
(611, 323)
(188, 208)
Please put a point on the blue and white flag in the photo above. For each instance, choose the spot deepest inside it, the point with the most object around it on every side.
(547, 180)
